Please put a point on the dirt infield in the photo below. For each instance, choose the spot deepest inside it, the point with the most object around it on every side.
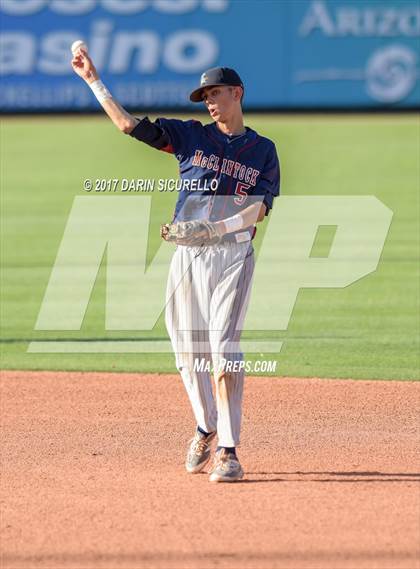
(93, 476)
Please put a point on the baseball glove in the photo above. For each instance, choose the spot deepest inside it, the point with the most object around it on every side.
(191, 233)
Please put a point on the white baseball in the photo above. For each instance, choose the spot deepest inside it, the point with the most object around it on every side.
(75, 46)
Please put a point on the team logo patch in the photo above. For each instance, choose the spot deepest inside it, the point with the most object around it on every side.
(204, 78)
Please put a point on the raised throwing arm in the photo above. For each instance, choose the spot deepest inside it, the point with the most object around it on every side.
(83, 65)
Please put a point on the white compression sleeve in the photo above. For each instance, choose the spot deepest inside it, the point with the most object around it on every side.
(100, 91)
(233, 223)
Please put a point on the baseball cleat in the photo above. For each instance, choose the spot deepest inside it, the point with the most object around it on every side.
(199, 452)
(226, 467)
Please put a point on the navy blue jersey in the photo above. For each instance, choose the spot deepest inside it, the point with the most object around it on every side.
(243, 168)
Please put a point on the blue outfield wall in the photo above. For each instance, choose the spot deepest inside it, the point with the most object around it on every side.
(150, 53)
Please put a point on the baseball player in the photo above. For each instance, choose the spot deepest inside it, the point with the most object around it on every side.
(230, 176)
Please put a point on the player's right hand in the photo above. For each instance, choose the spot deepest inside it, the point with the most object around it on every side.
(83, 66)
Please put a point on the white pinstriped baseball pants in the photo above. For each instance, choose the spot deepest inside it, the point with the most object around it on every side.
(207, 297)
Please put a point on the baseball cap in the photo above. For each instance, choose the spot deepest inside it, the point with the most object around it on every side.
(213, 77)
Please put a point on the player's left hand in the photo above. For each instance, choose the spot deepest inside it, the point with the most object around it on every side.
(192, 233)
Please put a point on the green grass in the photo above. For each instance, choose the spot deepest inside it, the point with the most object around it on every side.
(367, 330)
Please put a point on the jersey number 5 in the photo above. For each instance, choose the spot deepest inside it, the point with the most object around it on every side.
(240, 191)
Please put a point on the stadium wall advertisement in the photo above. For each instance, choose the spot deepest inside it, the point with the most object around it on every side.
(150, 53)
